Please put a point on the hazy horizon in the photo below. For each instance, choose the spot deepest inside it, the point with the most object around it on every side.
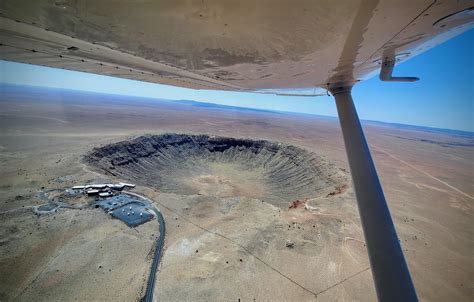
(234, 107)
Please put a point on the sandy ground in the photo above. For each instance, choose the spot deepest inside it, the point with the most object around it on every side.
(221, 247)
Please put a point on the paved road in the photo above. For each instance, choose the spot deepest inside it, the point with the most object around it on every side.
(156, 259)
(160, 242)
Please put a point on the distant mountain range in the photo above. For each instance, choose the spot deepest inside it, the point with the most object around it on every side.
(225, 107)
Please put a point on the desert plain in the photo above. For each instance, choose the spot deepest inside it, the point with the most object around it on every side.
(272, 223)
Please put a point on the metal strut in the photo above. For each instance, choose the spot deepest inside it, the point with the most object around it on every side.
(389, 269)
(388, 63)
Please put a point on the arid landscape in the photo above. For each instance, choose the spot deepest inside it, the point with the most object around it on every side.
(258, 205)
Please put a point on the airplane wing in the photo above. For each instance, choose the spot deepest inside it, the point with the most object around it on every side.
(282, 47)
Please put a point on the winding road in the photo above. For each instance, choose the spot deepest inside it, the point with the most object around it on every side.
(156, 259)
(160, 242)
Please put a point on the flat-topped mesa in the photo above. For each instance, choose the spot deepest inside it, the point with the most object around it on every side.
(219, 166)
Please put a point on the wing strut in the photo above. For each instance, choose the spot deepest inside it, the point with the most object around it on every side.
(389, 269)
(388, 63)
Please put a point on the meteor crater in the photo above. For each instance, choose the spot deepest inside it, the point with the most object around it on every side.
(219, 166)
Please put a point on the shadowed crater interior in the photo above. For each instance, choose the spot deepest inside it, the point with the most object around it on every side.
(219, 166)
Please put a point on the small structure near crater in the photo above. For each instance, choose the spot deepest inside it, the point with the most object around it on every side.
(103, 190)
(92, 192)
(106, 194)
(130, 209)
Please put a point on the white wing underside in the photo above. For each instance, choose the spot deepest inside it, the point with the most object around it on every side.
(285, 48)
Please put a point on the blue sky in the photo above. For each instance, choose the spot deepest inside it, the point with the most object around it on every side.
(443, 98)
